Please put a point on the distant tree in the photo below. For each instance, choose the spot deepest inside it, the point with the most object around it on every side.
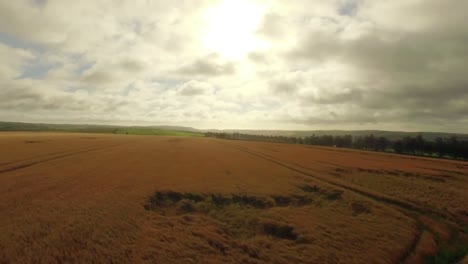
(338, 141)
(453, 147)
(348, 141)
(409, 145)
(359, 143)
(440, 147)
(419, 144)
(463, 149)
(381, 144)
(300, 140)
(398, 146)
(369, 142)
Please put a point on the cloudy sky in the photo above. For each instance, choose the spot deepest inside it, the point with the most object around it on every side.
(298, 64)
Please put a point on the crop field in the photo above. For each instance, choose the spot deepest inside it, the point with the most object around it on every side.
(97, 198)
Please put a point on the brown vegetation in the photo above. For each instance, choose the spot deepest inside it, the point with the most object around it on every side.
(119, 198)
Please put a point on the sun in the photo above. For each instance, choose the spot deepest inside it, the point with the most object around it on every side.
(230, 28)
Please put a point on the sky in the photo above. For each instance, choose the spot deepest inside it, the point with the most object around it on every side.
(246, 64)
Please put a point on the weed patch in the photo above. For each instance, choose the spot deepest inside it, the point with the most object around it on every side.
(329, 195)
(448, 255)
(241, 215)
(279, 230)
(32, 141)
(188, 202)
(360, 208)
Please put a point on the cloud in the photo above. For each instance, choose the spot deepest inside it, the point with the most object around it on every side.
(348, 7)
(210, 65)
(13, 61)
(98, 77)
(286, 83)
(258, 57)
(348, 96)
(284, 87)
(39, 3)
(397, 68)
(113, 70)
(132, 65)
(21, 96)
(272, 26)
(194, 88)
(341, 64)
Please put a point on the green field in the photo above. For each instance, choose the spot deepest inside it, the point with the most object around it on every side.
(156, 132)
(106, 129)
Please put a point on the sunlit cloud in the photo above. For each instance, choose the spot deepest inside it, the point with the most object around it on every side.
(230, 28)
(341, 64)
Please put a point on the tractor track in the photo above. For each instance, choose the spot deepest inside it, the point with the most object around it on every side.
(409, 209)
(34, 158)
(348, 186)
(54, 156)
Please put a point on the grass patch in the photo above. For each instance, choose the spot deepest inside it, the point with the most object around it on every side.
(212, 201)
(279, 230)
(156, 132)
(447, 255)
(360, 208)
(167, 200)
(329, 195)
(243, 216)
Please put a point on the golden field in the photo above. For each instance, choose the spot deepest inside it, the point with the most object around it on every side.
(93, 198)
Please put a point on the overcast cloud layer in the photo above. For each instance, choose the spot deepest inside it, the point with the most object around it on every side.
(338, 64)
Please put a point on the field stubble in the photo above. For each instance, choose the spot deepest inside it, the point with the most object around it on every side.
(122, 198)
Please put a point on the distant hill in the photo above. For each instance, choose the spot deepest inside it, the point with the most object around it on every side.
(85, 128)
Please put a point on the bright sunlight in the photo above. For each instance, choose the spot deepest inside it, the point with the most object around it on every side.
(231, 27)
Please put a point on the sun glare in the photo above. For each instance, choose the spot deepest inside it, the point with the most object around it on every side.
(231, 26)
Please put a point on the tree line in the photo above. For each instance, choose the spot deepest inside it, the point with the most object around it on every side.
(451, 147)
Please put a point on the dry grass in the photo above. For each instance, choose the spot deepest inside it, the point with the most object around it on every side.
(114, 198)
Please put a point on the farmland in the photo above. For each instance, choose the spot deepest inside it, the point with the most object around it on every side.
(163, 199)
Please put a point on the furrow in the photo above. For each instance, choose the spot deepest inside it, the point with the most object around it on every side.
(406, 208)
(61, 156)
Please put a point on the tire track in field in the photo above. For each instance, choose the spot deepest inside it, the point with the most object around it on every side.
(348, 186)
(56, 157)
(33, 158)
(409, 209)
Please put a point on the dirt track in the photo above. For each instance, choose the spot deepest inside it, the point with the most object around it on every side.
(81, 198)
